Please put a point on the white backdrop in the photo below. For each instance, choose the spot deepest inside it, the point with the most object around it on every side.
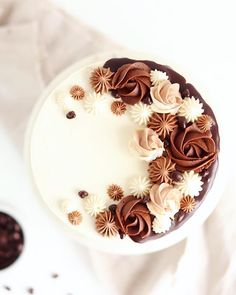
(198, 37)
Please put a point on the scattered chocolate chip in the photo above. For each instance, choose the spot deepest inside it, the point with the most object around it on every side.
(83, 194)
(166, 143)
(71, 115)
(16, 236)
(30, 290)
(176, 176)
(179, 216)
(55, 275)
(146, 199)
(147, 100)
(11, 240)
(186, 93)
(115, 94)
(182, 122)
(121, 234)
(17, 228)
(7, 288)
(165, 154)
(19, 247)
(205, 173)
(112, 208)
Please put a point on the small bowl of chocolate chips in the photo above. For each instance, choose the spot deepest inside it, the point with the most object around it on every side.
(11, 238)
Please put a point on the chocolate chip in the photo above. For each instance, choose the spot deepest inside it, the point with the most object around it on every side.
(83, 194)
(121, 234)
(17, 228)
(115, 94)
(55, 275)
(176, 176)
(186, 93)
(112, 208)
(15, 236)
(166, 143)
(19, 247)
(165, 154)
(147, 100)
(71, 115)
(146, 199)
(4, 238)
(30, 290)
(179, 216)
(182, 122)
(7, 288)
(205, 173)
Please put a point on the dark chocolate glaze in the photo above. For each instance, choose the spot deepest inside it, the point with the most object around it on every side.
(186, 89)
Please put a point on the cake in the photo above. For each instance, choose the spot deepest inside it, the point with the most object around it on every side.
(124, 149)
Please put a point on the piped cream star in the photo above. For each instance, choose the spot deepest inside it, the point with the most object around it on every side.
(191, 109)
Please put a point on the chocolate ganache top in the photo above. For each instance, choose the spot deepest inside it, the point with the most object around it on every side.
(186, 146)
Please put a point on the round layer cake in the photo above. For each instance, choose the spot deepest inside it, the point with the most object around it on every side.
(123, 150)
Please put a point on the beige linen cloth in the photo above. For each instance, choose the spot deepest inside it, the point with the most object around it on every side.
(37, 41)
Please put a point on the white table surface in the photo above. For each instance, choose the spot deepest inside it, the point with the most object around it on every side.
(198, 36)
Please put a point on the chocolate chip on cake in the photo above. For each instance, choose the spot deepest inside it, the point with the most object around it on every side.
(71, 115)
(7, 288)
(30, 290)
(205, 173)
(182, 122)
(83, 194)
(186, 93)
(146, 199)
(55, 275)
(166, 143)
(147, 100)
(112, 208)
(176, 176)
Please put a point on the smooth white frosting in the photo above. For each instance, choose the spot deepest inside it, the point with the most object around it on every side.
(94, 103)
(85, 153)
(68, 205)
(65, 101)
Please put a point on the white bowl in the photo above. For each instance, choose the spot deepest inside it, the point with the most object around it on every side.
(126, 246)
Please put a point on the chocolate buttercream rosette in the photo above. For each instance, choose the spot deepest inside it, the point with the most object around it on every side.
(133, 218)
